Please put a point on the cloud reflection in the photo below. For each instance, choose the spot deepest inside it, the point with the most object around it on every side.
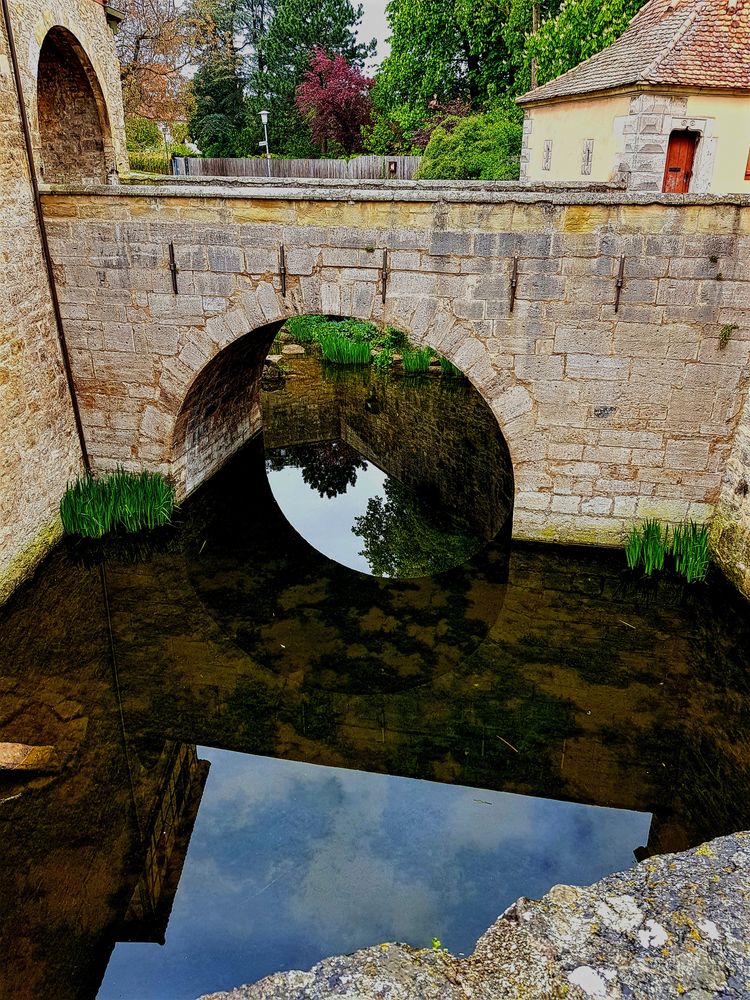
(291, 862)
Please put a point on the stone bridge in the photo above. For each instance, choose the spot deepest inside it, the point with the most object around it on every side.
(616, 403)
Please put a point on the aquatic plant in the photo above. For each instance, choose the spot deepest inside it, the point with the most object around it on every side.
(305, 329)
(689, 547)
(342, 351)
(128, 501)
(649, 543)
(448, 368)
(417, 360)
(383, 359)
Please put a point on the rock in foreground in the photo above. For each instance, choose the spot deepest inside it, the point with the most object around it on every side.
(675, 926)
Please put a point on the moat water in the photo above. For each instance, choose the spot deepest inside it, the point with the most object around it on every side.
(269, 747)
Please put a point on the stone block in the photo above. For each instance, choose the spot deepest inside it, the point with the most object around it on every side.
(592, 366)
(445, 243)
(584, 339)
(689, 454)
(226, 258)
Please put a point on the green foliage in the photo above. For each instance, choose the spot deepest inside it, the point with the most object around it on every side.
(401, 538)
(480, 147)
(725, 334)
(649, 543)
(416, 361)
(344, 351)
(363, 339)
(305, 329)
(123, 500)
(142, 135)
(581, 29)
(448, 368)
(151, 163)
(689, 546)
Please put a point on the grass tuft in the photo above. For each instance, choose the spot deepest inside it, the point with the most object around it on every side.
(342, 351)
(648, 545)
(416, 361)
(124, 501)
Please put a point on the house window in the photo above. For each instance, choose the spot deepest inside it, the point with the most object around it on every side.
(747, 168)
(587, 157)
(547, 155)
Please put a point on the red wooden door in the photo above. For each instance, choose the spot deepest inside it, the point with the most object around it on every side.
(679, 169)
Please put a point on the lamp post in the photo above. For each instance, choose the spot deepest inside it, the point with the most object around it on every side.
(264, 119)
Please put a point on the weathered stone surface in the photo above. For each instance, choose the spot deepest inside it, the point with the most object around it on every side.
(673, 926)
(39, 451)
(650, 397)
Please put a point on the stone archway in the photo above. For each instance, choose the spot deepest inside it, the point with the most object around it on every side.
(75, 141)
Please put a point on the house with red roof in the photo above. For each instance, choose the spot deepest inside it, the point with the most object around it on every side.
(664, 108)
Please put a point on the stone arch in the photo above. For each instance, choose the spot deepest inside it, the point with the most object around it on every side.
(75, 137)
(218, 412)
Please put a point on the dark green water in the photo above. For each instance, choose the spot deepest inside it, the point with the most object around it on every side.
(556, 714)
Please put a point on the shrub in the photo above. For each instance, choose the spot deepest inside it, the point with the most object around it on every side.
(123, 500)
(483, 147)
(142, 135)
(150, 163)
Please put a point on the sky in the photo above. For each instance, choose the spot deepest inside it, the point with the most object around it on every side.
(290, 862)
(374, 25)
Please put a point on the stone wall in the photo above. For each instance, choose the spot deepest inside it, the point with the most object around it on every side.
(39, 450)
(609, 415)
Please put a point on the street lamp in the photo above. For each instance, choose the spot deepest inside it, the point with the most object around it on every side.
(264, 119)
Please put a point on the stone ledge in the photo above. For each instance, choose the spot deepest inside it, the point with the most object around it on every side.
(672, 926)
(471, 192)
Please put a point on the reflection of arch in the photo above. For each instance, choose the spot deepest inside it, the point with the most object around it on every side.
(74, 132)
(202, 425)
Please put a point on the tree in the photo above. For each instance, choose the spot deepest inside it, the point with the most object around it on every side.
(230, 56)
(580, 30)
(442, 52)
(153, 45)
(334, 99)
(402, 539)
(295, 31)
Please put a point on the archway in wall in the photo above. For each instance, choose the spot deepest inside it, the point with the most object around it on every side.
(75, 142)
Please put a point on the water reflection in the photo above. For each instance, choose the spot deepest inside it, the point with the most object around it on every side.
(398, 477)
(290, 863)
(539, 671)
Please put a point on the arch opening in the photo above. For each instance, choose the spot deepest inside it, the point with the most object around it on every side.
(424, 444)
(75, 142)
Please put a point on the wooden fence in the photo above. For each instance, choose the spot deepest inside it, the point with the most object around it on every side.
(361, 168)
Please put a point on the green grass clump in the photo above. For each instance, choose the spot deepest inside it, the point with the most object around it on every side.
(649, 543)
(690, 550)
(448, 368)
(416, 361)
(342, 351)
(126, 501)
(305, 329)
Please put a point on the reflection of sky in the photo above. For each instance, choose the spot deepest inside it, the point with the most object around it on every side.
(290, 862)
(327, 523)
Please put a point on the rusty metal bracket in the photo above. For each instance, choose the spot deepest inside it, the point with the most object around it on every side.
(513, 283)
(282, 269)
(384, 273)
(620, 283)
(173, 268)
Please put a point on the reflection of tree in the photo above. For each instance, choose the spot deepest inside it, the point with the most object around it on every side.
(401, 540)
(329, 467)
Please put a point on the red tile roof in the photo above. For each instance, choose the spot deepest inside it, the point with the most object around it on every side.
(678, 43)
